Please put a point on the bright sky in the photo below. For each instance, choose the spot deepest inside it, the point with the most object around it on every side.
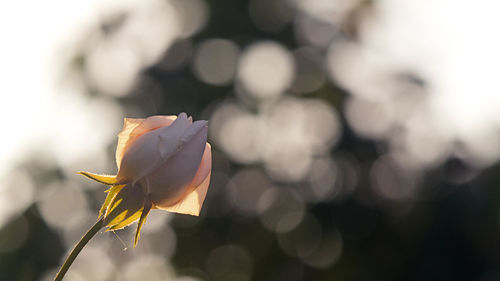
(454, 47)
(39, 114)
(32, 33)
(38, 44)
(454, 44)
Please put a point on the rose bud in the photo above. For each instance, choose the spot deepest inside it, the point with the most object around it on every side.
(164, 162)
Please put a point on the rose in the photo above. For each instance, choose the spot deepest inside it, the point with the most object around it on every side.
(164, 162)
(168, 157)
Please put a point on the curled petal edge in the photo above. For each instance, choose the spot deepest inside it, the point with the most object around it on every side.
(204, 168)
(125, 137)
(193, 202)
(136, 127)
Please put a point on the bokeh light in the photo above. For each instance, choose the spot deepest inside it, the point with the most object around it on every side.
(281, 209)
(17, 193)
(266, 70)
(302, 241)
(285, 138)
(229, 262)
(351, 139)
(137, 36)
(215, 61)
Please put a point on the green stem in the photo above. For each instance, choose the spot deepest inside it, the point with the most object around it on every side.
(72, 256)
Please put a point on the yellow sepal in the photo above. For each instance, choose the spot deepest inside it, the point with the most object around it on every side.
(104, 179)
(125, 207)
(112, 191)
(123, 219)
(142, 220)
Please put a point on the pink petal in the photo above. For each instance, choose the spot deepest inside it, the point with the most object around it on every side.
(191, 204)
(171, 138)
(205, 167)
(124, 137)
(145, 154)
(134, 128)
(139, 159)
(154, 122)
(169, 183)
(193, 199)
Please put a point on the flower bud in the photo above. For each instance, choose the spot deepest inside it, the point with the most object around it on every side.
(164, 162)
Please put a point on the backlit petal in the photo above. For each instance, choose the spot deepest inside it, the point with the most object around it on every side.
(140, 158)
(193, 199)
(192, 202)
(204, 168)
(169, 182)
(171, 137)
(151, 150)
(134, 128)
(125, 137)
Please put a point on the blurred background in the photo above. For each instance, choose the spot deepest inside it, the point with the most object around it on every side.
(352, 139)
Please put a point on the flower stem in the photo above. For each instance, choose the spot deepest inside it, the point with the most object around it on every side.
(78, 247)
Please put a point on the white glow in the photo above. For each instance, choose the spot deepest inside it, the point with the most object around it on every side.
(62, 206)
(92, 264)
(266, 69)
(115, 59)
(194, 15)
(147, 267)
(455, 53)
(112, 68)
(368, 118)
(296, 131)
(17, 191)
(326, 10)
(239, 133)
(215, 61)
(285, 137)
(44, 104)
